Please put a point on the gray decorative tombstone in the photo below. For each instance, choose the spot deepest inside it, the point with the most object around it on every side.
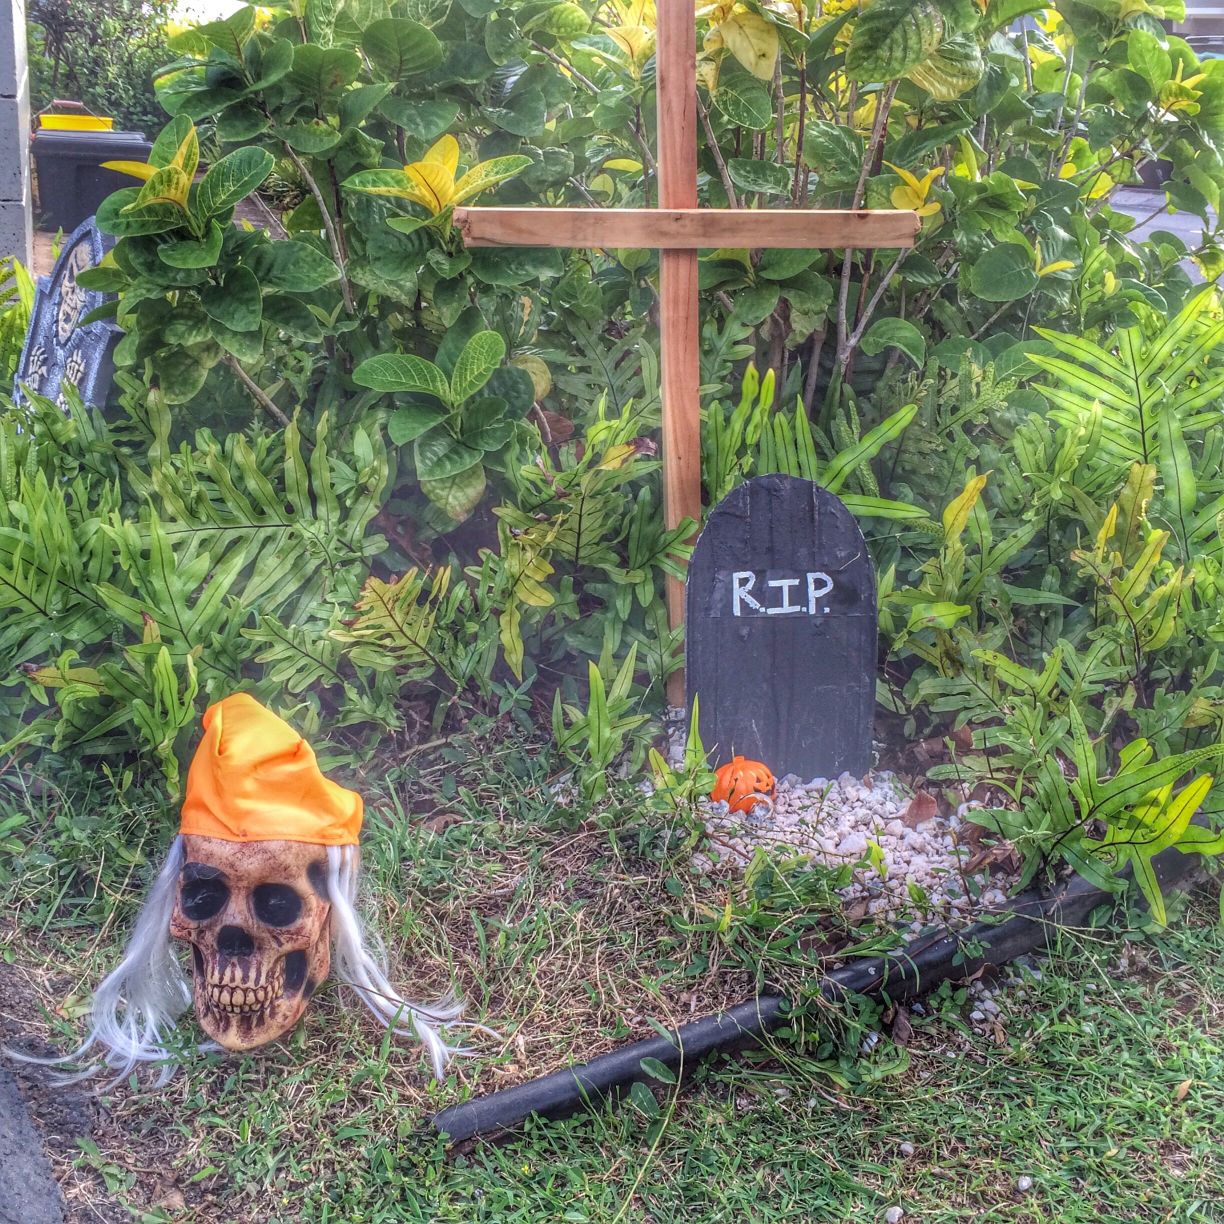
(781, 631)
(58, 350)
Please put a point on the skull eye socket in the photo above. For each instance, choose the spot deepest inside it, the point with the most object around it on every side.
(276, 904)
(203, 897)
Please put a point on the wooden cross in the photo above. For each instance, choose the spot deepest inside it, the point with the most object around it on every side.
(678, 228)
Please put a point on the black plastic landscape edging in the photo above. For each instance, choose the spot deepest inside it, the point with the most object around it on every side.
(906, 974)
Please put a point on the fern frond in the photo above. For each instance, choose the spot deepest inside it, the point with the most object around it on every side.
(395, 622)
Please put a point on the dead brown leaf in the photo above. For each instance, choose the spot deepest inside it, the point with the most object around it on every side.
(929, 751)
(902, 1030)
(922, 807)
(1179, 1093)
(973, 977)
(170, 1200)
(1001, 854)
(441, 821)
(560, 428)
(970, 835)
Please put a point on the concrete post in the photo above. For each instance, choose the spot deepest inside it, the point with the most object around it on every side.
(16, 202)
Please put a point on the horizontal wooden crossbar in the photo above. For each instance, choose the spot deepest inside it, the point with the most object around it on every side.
(686, 228)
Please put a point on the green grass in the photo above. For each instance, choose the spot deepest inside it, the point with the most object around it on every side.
(570, 931)
(1083, 1093)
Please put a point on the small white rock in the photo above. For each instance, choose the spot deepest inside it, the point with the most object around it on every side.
(894, 1215)
(907, 1149)
(1024, 1184)
(853, 844)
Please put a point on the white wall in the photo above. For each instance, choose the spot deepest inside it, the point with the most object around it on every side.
(16, 207)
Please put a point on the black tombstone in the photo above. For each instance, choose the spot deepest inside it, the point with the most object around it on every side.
(781, 631)
(58, 350)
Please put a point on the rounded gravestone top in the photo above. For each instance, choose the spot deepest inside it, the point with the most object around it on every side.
(59, 349)
(781, 630)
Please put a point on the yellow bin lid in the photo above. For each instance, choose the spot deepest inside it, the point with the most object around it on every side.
(76, 123)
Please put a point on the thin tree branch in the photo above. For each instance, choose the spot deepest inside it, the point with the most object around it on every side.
(333, 239)
(813, 368)
(1069, 135)
(586, 82)
(585, 194)
(1062, 106)
(857, 334)
(797, 196)
(780, 103)
(258, 394)
(989, 321)
(728, 187)
(878, 129)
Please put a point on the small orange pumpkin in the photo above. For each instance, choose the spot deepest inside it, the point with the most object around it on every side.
(741, 784)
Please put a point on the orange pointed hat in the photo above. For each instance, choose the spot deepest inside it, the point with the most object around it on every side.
(254, 778)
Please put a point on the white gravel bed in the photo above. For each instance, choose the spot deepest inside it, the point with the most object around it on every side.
(836, 822)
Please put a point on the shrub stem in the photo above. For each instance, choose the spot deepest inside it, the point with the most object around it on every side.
(258, 394)
(333, 239)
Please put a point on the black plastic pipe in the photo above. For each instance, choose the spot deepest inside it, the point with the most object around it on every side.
(908, 973)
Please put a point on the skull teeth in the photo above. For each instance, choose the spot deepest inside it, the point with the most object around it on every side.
(237, 1000)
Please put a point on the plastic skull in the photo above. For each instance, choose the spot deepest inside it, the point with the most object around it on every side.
(258, 919)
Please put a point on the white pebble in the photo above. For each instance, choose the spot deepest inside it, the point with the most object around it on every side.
(907, 1149)
(1024, 1184)
(832, 823)
(894, 1215)
(852, 845)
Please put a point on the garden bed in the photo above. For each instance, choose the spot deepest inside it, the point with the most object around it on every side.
(907, 858)
(573, 930)
(570, 929)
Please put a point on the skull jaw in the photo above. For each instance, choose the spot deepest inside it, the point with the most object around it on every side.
(239, 1019)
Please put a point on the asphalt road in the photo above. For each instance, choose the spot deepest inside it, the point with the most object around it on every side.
(1142, 202)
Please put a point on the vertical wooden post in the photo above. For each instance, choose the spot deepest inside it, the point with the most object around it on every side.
(676, 101)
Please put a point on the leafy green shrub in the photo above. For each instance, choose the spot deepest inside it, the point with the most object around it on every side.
(451, 451)
(1057, 620)
(16, 306)
(103, 54)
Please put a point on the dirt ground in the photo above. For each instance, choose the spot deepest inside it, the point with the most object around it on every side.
(63, 1115)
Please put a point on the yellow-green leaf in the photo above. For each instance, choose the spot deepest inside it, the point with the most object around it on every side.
(488, 174)
(168, 185)
(140, 170)
(753, 41)
(433, 183)
(458, 495)
(956, 514)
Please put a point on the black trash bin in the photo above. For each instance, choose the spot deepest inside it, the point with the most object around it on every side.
(71, 181)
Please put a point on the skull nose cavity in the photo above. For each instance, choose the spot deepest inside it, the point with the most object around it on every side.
(234, 941)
